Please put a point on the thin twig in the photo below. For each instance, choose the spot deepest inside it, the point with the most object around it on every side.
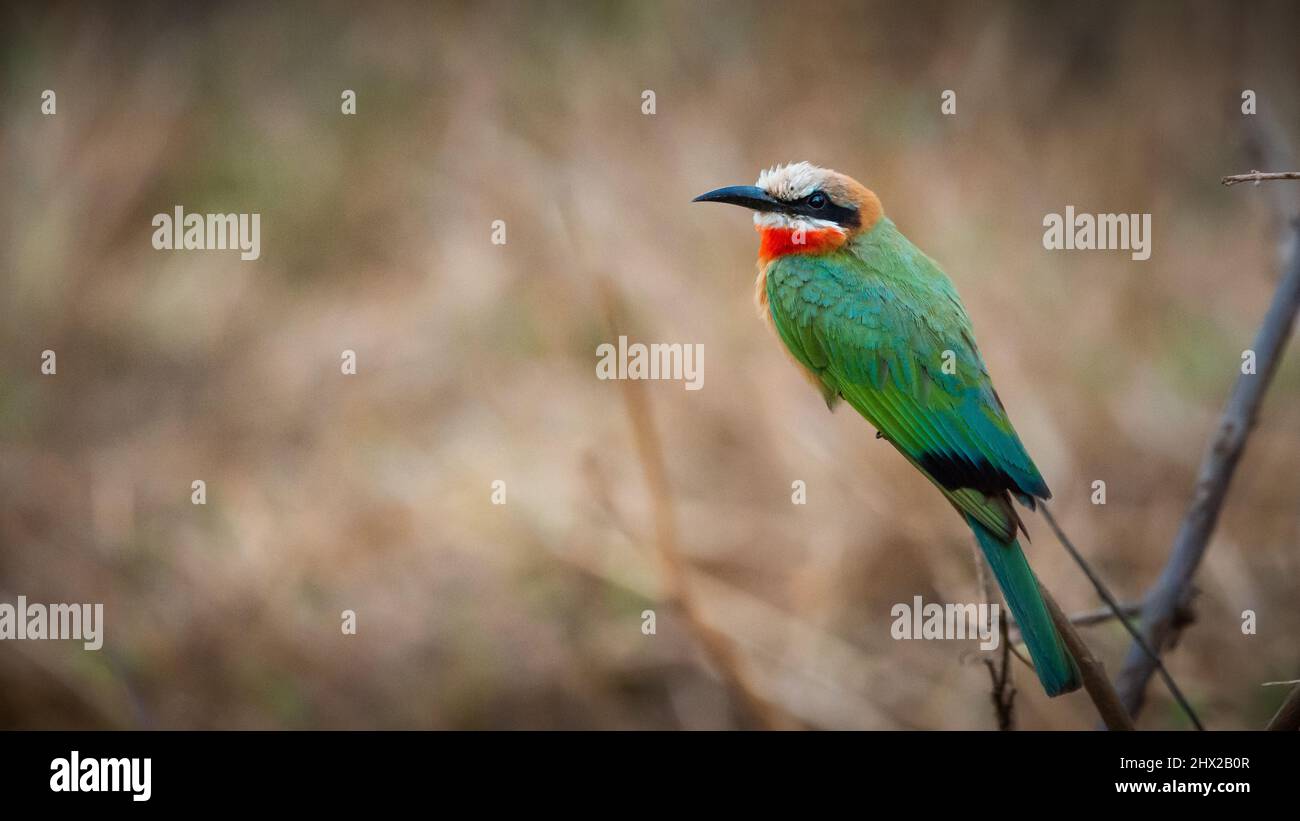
(1287, 716)
(1117, 610)
(1159, 623)
(1004, 697)
(1090, 618)
(1029, 665)
(1003, 694)
(1092, 672)
(719, 648)
(1260, 176)
(1004, 691)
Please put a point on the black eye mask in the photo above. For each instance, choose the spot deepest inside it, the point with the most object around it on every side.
(839, 214)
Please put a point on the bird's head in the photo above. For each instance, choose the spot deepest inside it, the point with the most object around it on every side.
(802, 209)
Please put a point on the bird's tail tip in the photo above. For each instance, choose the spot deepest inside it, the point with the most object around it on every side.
(1056, 668)
(1055, 684)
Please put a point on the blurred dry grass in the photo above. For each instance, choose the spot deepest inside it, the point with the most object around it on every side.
(477, 361)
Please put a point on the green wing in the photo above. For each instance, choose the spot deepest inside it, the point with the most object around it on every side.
(882, 326)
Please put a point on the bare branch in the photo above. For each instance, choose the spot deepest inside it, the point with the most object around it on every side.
(1003, 694)
(1260, 176)
(1159, 623)
(1115, 608)
(1090, 618)
(1099, 688)
(719, 648)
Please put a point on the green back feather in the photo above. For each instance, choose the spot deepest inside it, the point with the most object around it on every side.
(877, 321)
(874, 321)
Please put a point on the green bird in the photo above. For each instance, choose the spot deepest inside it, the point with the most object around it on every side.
(874, 321)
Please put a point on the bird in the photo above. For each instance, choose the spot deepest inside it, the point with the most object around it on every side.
(873, 321)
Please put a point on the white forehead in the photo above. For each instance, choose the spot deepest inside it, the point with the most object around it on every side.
(790, 182)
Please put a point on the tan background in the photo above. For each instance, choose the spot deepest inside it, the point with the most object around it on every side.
(371, 492)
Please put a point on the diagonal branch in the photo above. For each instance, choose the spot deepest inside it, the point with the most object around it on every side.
(719, 648)
(1100, 615)
(1118, 612)
(1092, 672)
(1159, 623)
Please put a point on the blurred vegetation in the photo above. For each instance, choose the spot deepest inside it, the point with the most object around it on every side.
(476, 361)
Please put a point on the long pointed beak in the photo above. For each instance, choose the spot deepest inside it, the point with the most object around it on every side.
(748, 196)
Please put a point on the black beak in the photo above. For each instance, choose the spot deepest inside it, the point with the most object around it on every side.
(747, 195)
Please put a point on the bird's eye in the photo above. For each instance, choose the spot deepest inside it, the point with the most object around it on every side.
(817, 201)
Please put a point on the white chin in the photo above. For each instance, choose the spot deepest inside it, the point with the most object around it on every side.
(775, 219)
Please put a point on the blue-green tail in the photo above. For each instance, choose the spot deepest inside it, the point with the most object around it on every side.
(1053, 663)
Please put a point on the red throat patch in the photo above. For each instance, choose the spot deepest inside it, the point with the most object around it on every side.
(777, 242)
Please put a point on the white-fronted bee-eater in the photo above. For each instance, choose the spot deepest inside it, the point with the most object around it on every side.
(875, 322)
